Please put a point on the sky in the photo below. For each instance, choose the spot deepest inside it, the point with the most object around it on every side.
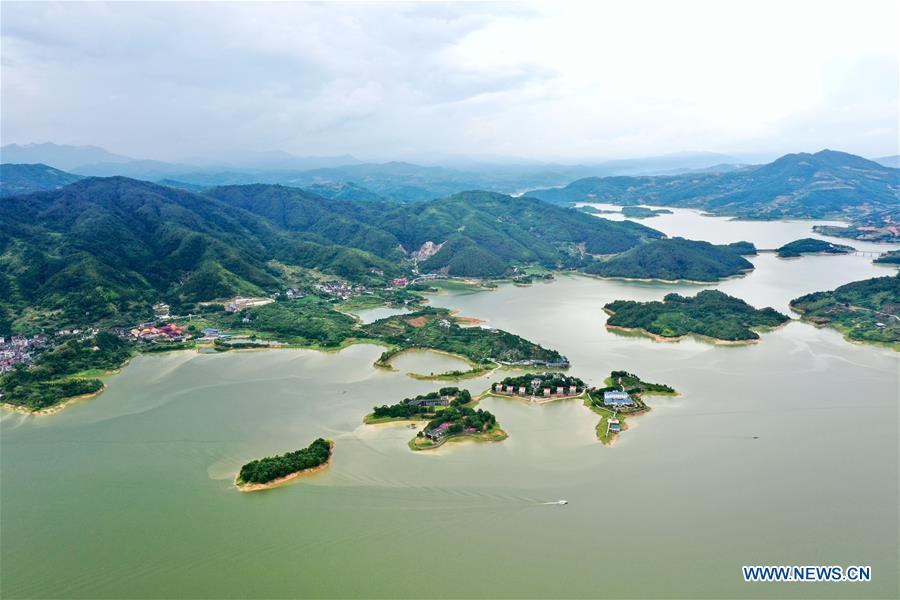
(562, 81)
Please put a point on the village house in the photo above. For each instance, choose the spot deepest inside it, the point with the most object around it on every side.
(612, 425)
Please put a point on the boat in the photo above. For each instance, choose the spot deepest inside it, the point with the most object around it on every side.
(562, 501)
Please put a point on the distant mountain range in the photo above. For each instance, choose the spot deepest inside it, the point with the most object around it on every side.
(827, 184)
(889, 161)
(396, 181)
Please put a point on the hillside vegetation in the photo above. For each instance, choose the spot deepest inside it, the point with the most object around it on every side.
(104, 250)
(827, 184)
(812, 246)
(710, 313)
(675, 259)
(864, 311)
(24, 179)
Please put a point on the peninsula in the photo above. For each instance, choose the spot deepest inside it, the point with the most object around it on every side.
(437, 329)
(271, 471)
(863, 311)
(710, 314)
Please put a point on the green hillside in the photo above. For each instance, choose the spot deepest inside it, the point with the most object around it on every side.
(826, 184)
(812, 246)
(24, 179)
(107, 249)
(675, 259)
(710, 313)
(864, 311)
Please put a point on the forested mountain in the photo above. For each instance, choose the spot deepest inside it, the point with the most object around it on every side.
(18, 179)
(474, 233)
(676, 259)
(824, 184)
(107, 248)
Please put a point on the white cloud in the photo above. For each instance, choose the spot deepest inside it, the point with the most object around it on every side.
(562, 80)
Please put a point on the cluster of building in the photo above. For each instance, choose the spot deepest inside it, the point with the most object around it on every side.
(19, 349)
(150, 332)
(562, 363)
(340, 289)
(536, 388)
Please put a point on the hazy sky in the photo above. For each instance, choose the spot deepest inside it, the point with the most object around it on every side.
(382, 81)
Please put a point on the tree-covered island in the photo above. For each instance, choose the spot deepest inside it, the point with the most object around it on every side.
(812, 246)
(274, 470)
(863, 311)
(644, 212)
(420, 408)
(675, 259)
(458, 422)
(622, 397)
(710, 314)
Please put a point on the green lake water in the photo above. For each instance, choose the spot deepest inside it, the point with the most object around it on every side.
(782, 452)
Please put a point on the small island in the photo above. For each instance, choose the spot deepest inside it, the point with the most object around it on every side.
(271, 471)
(540, 387)
(622, 396)
(711, 314)
(812, 246)
(450, 414)
(458, 422)
(865, 311)
(643, 212)
(674, 260)
(421, 408)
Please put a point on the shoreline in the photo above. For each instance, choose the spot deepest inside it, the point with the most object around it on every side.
(743, 273)
(699, 336)
(497, 435)
(50, 410)
(256, 487)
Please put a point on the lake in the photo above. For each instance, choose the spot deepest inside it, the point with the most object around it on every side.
(782, 452)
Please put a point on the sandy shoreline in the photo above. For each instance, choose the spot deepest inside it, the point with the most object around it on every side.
(255, 487)
(50, 410)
